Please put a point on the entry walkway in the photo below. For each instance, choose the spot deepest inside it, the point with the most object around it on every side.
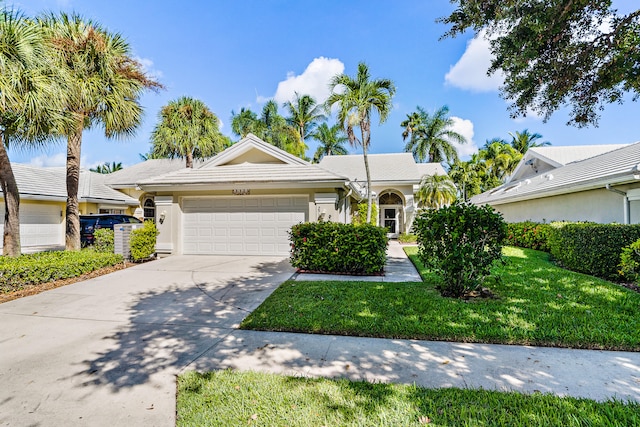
(398, 268)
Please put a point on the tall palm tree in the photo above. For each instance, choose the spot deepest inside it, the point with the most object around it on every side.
(104, 88)
(466, 177)
(29, 107)
(107, 168)
(500, 158)
(187, 129)
(304, 114)
(244, 123)
(524, 140)
(436, 191)
(431, 136)
(331, 140)
(357, 98)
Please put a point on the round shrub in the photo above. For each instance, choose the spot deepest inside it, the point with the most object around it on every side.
(103, 240)
(460, 243)
(630, 262)
(143, 241)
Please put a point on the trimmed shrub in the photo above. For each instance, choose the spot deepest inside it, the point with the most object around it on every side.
(591, 248)
(338, 248)
(143, 241)
(31, 269)
(103, 240)
(528, 234)
(460, 243)
(630, 262)
(360, 215)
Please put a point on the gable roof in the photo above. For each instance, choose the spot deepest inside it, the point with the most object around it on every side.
(37, 183)
(614, 167)
(394, 167)
(543, 159)
(250, 161)
(129, 176)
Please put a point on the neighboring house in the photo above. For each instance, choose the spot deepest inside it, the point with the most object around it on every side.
(245, 199)
(395, 178)
(43, 197)
(580, 183)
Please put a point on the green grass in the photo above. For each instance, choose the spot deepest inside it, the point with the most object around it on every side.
(537, 304)
(227, 398)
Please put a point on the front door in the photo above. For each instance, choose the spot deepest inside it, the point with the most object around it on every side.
(391, 221)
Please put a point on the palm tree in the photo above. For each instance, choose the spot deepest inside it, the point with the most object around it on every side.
(466, 177)
(331, 140)
(436, 191)
(29, 107)
(304, 114)
(357, 98)
(271, 127)
(107, 168)
(500, 158)
(104, 88)
(524, 140)
(187, 129)
(431, 136)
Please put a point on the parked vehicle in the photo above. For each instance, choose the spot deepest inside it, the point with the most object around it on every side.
(90, 223)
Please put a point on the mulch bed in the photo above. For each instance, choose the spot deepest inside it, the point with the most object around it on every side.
(41, 287)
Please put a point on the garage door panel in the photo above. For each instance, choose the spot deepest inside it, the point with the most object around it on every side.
(241, 225)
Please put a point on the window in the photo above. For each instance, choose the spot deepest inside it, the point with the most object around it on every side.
(110, 211)
(390, 199)
(149, 210)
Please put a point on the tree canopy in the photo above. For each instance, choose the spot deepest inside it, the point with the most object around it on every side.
(431, 136)
(107, 167)
(555, 53)
(331, 141)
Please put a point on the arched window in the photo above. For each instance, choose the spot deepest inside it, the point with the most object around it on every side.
(390, 199)
(149, 210)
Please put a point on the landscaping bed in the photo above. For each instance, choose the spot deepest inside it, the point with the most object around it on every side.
(533, 303)
(256, 399)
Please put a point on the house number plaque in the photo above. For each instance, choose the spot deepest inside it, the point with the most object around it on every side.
(241, 192)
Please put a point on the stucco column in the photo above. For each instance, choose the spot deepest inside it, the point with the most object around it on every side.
(164, 221)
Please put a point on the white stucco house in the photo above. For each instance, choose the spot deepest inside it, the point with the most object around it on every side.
(242, 201)
(598, 183)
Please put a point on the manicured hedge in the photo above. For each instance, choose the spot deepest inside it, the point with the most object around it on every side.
(143, 241)
(16, 273)
(338, 248)
(528, 234)
(591, 248)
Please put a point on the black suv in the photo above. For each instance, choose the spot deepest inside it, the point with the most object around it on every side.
(89, 223)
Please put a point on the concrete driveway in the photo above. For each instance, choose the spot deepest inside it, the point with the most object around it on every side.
(106, 351)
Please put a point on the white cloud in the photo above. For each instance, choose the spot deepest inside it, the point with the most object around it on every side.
(470, 72)
(47, 161)
(465, 128)
(313, 81)
(147, 67)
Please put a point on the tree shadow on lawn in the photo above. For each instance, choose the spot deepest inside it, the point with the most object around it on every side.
(171, 327)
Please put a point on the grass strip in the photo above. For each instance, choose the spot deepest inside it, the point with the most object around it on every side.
(229, 398)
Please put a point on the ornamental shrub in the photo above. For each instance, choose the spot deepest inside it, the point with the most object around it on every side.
(338, 248)
(31, 269)
(460, 243)
(630, 262)
(360, 215)
(103, 240)
(591, 248)
(528, 234)
(143, 241)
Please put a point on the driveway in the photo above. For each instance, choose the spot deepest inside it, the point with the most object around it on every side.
(106, 351)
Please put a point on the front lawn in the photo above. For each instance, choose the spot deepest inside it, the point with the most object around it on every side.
(227, 398)
(537, 303)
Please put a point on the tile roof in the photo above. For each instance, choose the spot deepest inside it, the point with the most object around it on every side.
(383, 167)
(570, 154)
(613, 167)
(50, 184)
(129, 176)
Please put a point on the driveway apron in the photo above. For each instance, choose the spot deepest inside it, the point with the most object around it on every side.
(106, 351)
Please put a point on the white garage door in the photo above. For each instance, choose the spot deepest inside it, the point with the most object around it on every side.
(40, 225)
(240, 225)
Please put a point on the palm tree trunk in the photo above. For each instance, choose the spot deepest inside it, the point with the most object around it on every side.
(189, 159)
(72, 236)
(366, 136)
(11, 236)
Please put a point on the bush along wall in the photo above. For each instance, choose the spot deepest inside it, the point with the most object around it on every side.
(143, 241)
(591, 248)
(528, 234)
(338, 248)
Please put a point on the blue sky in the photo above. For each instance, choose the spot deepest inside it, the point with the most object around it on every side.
(234, 54)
